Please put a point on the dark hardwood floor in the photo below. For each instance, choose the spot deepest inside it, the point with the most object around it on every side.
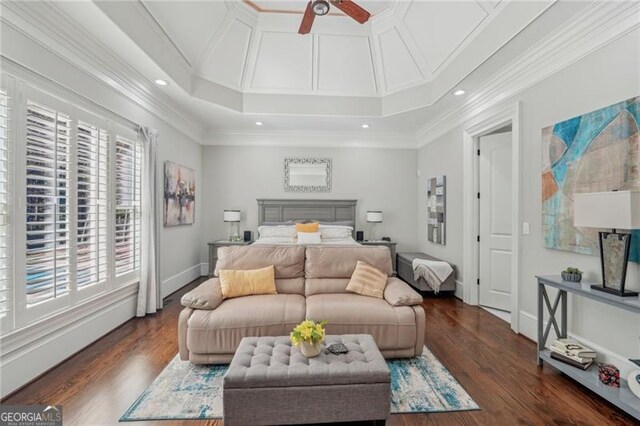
(496, 367)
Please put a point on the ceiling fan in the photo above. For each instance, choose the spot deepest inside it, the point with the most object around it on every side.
(321, 7)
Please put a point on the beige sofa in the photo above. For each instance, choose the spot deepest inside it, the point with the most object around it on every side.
(311, 283)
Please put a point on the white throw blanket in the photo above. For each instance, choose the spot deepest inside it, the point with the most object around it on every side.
(432, 271)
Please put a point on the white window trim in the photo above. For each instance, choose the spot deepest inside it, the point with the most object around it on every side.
(20, 316)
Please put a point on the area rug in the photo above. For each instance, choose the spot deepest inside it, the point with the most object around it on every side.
(186, 391)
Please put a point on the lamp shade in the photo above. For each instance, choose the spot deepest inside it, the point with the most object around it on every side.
(612, 210)
(232, 215)
(374, 216)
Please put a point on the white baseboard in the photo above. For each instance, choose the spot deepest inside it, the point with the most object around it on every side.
(204, 269)
(181, 279)
(459, 292)
(529, 328)
(30, 361)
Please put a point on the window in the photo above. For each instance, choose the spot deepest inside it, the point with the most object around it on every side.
(128, 183)
(5, 237)
(48, 139)
(92, 161)
(79, 227)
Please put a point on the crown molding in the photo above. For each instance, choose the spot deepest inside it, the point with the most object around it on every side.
(311, 140)
(597, 25)
(48, 26)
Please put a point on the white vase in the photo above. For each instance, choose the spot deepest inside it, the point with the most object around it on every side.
(310, 349)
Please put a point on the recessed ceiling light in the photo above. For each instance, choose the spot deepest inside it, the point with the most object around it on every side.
(259, 123)
(459, 92)
(161, 82)
(365, 126)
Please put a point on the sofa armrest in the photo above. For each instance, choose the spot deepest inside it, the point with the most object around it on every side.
(207, 295)
(398, 293)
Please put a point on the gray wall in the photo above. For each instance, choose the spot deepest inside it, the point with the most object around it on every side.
(380, 179)
(608, 76)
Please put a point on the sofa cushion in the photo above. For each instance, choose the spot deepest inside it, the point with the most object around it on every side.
(325, 285)
(367, 280)
(398, 293)
(391, 327)
(219, 331)
(340, 262)
(207, 295)
(247, 282)
(288, 261)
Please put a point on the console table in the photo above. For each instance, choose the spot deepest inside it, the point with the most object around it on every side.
(620, 397)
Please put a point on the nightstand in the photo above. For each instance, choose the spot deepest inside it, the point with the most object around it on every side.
(392, 249)
(213, 251)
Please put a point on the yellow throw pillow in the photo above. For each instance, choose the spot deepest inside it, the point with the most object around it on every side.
(247, 283)
(367, 280)
(308, 227)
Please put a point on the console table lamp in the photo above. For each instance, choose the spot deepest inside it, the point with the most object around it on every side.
(374, 217)
(233, 217)
(613, 210)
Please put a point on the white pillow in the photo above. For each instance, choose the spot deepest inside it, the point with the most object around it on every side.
(277, 231)
(335, 231)
(309, 238)
(275, 240)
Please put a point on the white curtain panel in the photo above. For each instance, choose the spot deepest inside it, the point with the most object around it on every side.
(149, 293)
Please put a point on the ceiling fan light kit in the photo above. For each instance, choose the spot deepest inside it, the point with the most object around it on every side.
(321, 7)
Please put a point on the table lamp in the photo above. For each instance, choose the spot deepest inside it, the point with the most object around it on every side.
(613, 210)
(233, 217)
(374, 217)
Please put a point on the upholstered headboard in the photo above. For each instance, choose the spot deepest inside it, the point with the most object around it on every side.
(321, 210)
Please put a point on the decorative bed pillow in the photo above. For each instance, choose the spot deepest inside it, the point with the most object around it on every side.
(335, 231)
(367, 280)
(309, 238)
(277, 231)
(307, 227)
(275, 240)
(248, 282)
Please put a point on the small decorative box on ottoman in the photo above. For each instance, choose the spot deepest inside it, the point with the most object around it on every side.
(269, 382)
(609, 375)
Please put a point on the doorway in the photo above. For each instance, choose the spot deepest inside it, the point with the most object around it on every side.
(506, 249)
(494, 221)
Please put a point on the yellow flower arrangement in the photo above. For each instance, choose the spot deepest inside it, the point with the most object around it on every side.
(308, 331)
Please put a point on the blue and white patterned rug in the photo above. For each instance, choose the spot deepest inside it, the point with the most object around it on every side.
(186, 391)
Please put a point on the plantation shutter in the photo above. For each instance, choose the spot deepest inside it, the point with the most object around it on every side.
(47, 216)
(92, 161)
(5, 237)
(128, 182)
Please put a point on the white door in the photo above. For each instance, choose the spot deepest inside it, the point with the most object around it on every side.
(495, 221)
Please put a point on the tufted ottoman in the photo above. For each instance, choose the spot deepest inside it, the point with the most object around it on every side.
(270, 382)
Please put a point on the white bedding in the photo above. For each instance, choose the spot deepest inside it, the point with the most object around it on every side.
(282, 234)
(349, 241)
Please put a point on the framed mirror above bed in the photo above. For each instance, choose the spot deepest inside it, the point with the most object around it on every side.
(307, 174)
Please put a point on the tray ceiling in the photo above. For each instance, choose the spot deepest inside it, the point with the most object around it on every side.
(246, 55)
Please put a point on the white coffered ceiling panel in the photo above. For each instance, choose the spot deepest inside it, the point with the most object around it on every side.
(226, 63)
(245, 57)
(439, 28)
(284, 61)
(400, 69)
(203, 19)
(345, 65)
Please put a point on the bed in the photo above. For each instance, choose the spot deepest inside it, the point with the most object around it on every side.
(277, 219)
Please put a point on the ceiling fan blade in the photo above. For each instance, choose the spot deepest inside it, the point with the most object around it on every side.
(307, 20)
(352, 9)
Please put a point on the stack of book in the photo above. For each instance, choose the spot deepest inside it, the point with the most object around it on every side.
(573, 353)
